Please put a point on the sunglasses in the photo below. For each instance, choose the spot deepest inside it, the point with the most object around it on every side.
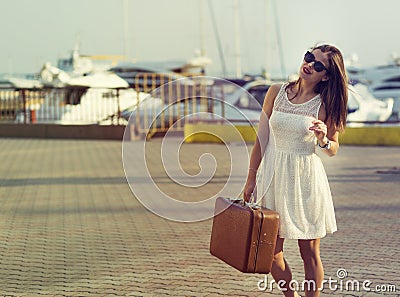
(318, 66)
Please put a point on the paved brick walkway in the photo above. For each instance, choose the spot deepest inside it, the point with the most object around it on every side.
(70, 226)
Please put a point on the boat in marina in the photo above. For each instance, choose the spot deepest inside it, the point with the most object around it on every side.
(96, 106)
(383, 81)
(386, 89)
(370, 75)
(77, 93)
(147, 76)
(364, 107)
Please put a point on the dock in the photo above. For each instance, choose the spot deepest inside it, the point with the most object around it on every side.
(71, 226)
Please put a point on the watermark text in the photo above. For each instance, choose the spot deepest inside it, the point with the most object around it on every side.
(339, 283)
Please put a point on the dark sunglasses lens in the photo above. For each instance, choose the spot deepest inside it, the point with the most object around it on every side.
(309, 57)
(318, 66)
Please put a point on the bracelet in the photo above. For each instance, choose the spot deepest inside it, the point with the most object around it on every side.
(252, 169)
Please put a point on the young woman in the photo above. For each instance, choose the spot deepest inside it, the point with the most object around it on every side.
(304, 115)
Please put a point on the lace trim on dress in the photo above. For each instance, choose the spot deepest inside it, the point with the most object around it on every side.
(309, 108)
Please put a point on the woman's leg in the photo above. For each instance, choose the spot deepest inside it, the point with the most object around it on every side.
(313, 269)
(280, 269)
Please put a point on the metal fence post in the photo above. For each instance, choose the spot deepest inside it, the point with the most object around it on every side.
(119, 108)
(24, 103)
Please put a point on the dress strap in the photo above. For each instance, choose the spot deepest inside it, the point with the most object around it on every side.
(309, 108)
(280, 96)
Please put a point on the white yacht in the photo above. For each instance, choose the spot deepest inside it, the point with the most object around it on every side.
(383, 81)
(370, 75)
(76, 92)
(364, 107)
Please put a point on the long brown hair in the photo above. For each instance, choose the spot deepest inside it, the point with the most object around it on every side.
(334, 91)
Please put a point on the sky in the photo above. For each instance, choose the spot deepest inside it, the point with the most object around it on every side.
(272, 34)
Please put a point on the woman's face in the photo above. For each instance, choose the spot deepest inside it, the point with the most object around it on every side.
(308, 70)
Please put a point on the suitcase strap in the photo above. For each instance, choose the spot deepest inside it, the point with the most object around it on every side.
(255, 236)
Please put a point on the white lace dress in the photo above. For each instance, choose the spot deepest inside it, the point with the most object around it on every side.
(299, 190)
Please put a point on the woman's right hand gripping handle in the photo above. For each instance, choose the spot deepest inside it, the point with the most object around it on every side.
(249, 186)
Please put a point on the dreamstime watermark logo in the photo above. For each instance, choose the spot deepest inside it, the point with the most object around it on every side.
(339, 283)
(171, 107)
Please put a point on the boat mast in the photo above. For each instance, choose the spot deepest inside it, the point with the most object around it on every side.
(215, 28)
(237, 39)
(266, 70)
(279, 40)
(125, 27)
(202, 30)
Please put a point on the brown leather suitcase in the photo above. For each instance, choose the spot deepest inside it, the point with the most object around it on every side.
(244, 235)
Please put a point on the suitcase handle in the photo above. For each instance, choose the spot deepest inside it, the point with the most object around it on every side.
(253, 202)
(253, 205)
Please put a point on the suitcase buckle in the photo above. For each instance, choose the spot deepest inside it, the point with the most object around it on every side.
(254, 205)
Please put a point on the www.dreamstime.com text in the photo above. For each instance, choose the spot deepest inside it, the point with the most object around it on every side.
(340, 283)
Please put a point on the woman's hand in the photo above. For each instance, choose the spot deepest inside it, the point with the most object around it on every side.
(320, 131)
(249, 188)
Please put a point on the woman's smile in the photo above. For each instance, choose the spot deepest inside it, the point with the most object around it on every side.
(306, 70)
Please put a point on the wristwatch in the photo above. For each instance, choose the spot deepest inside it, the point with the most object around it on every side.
(327, 145)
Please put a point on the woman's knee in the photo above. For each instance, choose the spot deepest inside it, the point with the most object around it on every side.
(278, 253)
(309, 249)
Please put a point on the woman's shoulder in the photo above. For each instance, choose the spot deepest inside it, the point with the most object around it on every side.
(275, 88)
(270, 97)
